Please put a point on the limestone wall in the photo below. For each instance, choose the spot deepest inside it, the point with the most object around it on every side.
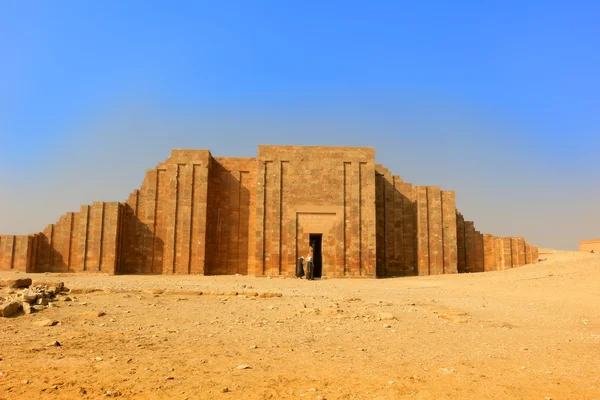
(416, 228)
(590, 245)
(165, 221)
(198, 214)
(231, 216)
(325, 190)
(485, 252)
(15, 253)
(87, 240)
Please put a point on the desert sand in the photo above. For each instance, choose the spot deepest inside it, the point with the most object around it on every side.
(526, 333)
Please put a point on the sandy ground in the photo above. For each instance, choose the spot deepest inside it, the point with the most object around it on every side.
(527, 333)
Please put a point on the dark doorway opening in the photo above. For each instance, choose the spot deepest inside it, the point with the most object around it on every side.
(316, 241)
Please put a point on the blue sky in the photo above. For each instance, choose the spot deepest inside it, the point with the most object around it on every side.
(503, 98)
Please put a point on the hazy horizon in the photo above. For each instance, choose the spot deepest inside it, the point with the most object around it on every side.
(497, 103)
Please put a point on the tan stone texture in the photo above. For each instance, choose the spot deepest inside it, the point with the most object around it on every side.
(535, 254)
(422, 231)
(199, 214)
(479, 253)
(590, 245)
(507, 250)
(328, 191)
(528, 255)
(470, 244)
(521, 251)
(489, 253)
(449, 232)
(460, 243)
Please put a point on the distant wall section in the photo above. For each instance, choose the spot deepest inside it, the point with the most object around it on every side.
(590, 245)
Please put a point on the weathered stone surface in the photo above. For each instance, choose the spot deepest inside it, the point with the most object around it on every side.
(19, 283)
(46, 322)
(9, 309)
(27, 308)
(29, 297)
(589, 246)
(199, 214)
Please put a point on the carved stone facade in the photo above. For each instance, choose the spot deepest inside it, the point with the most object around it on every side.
(199, 214)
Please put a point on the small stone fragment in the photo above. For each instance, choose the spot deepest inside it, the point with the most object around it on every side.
(46, 322)
(243, 366)
(29, 296)
(386, 316)
(27, 308)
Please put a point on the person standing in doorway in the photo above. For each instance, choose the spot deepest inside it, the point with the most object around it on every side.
(309, 265)
(300, 268)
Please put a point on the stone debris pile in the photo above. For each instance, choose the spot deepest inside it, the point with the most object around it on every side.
(20, 294)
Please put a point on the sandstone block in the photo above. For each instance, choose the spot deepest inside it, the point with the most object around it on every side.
(9, 309)
(27, 309)
(19, 283)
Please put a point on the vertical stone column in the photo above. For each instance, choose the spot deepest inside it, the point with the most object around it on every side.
(470, 244)
(409, 233)
(183, 218)
(535, 254)
(489, 253)
(527, 253)
(33, 260)
(381, 223)
(93, 259)
(170, 197)
(398, 258)
(199, 216)
(507, 252)
(436, 249)
(391, 268)
(110, 237)
(478, 252)
(144, 254)
(521, 242)
(449, 231)
(368, 223)
(422, 231)
(460, 243)
(499, 242)
(260, 266)
(354, 234)
(514, 245)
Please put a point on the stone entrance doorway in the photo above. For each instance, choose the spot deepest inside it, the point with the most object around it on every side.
(316, 242)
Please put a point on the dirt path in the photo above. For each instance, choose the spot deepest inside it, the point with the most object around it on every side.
(528, 333)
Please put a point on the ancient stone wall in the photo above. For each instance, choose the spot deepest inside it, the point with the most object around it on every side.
(484, 252)
(590, 245)
(165, 222)
(15, 252)
(416, 228)
(231, 216)
(319, 190)
(87, 240)
(198, 214)
(396, 225)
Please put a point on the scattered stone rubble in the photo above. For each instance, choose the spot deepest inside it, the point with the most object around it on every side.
(20, 294)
